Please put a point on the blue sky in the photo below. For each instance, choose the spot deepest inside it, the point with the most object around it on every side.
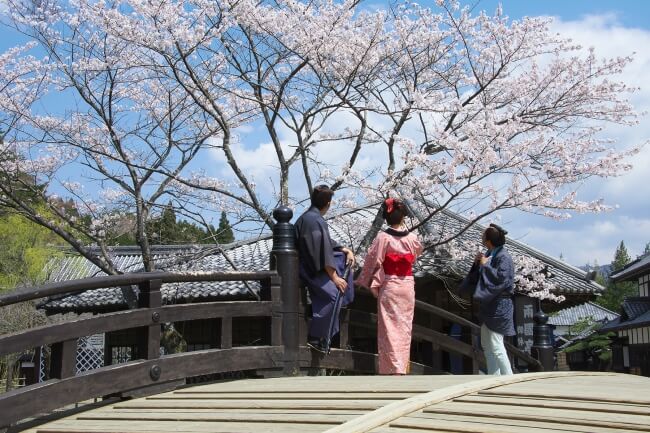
(630, 13)
(613, 28)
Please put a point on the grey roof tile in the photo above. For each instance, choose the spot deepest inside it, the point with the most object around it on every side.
(640, 266)
(634, 307)
(253, 255)
(570, 316)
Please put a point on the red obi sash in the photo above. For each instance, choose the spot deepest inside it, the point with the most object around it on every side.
(400, 265)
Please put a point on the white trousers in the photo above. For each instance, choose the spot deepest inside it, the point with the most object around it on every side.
(496, 356)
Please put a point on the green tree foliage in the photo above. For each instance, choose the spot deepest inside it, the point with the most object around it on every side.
(597, 345)
(224, 231)
(646, 250)
(26, 249)
(164, 229)
(615, 293)
(621, 258)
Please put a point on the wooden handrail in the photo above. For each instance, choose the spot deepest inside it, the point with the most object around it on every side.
(64, 287)
(20, 403)
(475, 328)
(120, 320)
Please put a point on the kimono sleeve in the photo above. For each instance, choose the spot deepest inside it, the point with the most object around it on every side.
(372, 274)
(468, 285)
(494, 278)
(417, 246)
(315, 245)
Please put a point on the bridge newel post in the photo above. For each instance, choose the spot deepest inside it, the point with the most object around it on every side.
(542, 348)
(284, 260)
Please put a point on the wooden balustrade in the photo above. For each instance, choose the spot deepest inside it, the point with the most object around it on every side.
(280, 303)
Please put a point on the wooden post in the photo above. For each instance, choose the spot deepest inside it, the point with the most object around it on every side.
(284, 259)
(476, 340)
(149, 336)
(63, 359)
(226, 332)
(542, 349)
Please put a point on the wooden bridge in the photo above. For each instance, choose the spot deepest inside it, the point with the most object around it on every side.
(317, 403)
(534, 402)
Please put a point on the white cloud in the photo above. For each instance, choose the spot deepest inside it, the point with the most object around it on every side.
(586, 238)
(582, 239)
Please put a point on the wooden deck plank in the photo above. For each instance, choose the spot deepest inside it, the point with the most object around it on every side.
(468, 423)
(328, 384)
(556, 404)
(80, 426)
(409, 430)
(554, 416)
(286, 396)
(257, 404)
(553, 393)
(271, 418)
(616, 389)
(287, 411)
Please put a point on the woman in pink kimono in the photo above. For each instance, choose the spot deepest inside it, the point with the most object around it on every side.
(388, 273)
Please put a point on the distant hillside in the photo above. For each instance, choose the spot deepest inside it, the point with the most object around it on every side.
(605, 270)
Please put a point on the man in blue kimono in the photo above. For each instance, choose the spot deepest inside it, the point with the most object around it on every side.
(322, 265)
(490, 281)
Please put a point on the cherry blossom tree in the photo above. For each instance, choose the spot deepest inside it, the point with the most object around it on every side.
(451, 111)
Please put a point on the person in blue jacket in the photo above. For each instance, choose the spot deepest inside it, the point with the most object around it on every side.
(490, 281)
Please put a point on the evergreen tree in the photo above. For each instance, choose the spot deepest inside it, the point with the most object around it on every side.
(621, 258)
(168, 233)
(646, 250)
(615, 293)
(224, 231)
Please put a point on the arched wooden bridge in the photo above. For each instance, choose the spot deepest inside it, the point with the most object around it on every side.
(534, 402)
(315, 404)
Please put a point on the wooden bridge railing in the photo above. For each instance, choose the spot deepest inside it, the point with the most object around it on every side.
(65, 386)
(280, 303)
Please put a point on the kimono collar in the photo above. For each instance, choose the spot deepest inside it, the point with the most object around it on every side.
(494, 252)
(315, 210)
(397, 233)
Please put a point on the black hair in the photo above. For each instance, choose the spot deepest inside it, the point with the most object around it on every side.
(398, 212)
(496, 235)
(321, 196)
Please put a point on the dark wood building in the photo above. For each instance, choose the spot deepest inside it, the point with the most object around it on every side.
(631, 351)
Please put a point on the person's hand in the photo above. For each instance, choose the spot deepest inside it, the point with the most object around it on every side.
(478, 257)
(484, 260)
(350, 260)
(349, 256)
(340, 283)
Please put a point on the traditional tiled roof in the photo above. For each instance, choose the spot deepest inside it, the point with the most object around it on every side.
(614, 325)
(571, 316)
(632, 271)
(636, 313)
(248, 256)
(635, 306)
(568, 279)
(253, 255)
